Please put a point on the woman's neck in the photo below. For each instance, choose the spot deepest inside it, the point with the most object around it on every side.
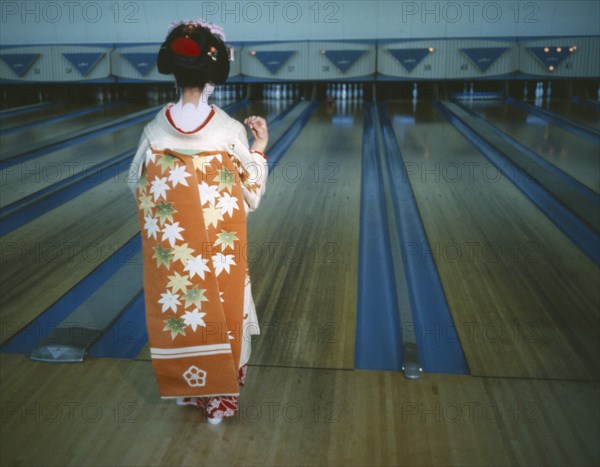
(192, 109)
(193, 96)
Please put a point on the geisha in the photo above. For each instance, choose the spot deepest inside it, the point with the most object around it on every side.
(195, 178)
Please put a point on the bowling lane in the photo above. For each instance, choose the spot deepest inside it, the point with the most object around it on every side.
(575, 112)
(48, 256)
(304, 247)
(29, 140)
(31, 176)
(523, 298)
(34, 117)
(571, 153)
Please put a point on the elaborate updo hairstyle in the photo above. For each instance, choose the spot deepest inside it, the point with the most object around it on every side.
(195, 52)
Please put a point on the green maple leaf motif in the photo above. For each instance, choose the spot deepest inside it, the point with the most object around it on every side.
(146, 204)
(195, 296)
(162, 256)
(143, 183)
(225, 179)
(166, 162)
(176, 326)
(165, 211)
(226, 239)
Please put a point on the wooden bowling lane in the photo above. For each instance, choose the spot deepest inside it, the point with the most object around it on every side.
(39, 116)
(303, 248)
(31, 139)
(23, 179)
(31, 176)
(45, 258)
(523, 298)
(571, 153)
(109, 411)
(575, 112)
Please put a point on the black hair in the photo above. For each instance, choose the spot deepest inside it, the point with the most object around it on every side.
(204, 57)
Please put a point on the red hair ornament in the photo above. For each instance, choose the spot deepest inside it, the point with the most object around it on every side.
(186, 47)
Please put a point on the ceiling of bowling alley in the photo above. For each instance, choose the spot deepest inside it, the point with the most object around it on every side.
(49, 22)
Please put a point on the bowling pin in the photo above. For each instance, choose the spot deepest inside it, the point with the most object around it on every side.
(549, 89)
(415, 92)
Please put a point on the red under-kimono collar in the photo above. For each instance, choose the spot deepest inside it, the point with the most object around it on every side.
(206, 121)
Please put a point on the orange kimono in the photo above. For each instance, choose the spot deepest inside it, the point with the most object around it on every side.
(192, 211)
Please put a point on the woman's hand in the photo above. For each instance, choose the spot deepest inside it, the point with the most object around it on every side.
(258, 127)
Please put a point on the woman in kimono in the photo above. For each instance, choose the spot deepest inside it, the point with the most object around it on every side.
(195, 178)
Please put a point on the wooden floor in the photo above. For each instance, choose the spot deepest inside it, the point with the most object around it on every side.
(306, 238)
(523, 298)
(34, 138)
(572, 154)
(528, 323)
(62, 414)
(34, 175)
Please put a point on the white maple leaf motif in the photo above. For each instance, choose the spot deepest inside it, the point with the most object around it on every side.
(171, 232)
(222, 262)
(227, 203)
(210, 157)
(159, 188)
(221, 297)
(169, 301)
(208, 193)
(197, 266)
(179, 175)
(150, 156)
(194, 318)
(151, 226)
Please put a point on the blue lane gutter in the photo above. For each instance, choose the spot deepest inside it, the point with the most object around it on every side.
(563, 123)
(570, 224)
(378, 331)
(47, 321)
(278, 149)
(79, 136)
(29, 108)
(60, 118)
(537, 159)
(431, 314)
(586, 103)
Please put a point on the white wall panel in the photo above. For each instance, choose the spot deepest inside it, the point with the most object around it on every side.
(322, 69)
(584, 62)
(459, 65)
(52, 66)
(433, 66)
(296, 67)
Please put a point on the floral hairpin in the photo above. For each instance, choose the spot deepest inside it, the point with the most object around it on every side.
(212, 53)
(213, 28)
